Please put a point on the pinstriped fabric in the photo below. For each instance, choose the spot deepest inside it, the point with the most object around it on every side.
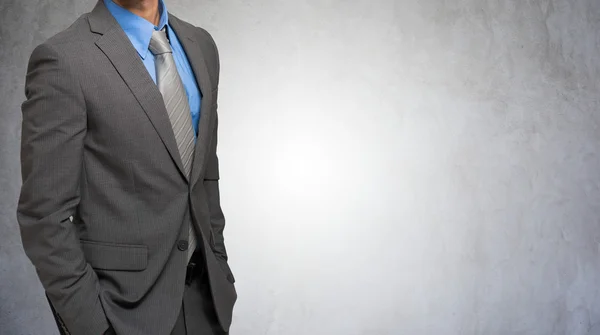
(171, 87)
(98, 145)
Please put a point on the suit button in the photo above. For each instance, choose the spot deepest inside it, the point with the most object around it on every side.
(182, 245)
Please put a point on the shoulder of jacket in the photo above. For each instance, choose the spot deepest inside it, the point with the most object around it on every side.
(201, 34)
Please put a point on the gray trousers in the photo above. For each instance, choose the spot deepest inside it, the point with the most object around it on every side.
(197, 315)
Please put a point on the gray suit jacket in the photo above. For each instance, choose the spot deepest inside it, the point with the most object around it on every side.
(97, 146)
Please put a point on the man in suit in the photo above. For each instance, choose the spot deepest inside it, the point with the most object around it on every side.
(119, 210)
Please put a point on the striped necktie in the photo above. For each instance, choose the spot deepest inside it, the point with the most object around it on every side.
(176, 102)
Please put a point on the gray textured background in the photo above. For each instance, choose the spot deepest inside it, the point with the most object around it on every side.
(434, 164)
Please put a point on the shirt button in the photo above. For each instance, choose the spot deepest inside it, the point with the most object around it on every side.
(182, 245)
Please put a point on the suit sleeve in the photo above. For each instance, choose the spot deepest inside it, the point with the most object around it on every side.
(211, 181)
(211, 185)
(217, 219)
(53, 131)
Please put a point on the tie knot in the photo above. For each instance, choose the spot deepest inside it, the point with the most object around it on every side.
(159, 44)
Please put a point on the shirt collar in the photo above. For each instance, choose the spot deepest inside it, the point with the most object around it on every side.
(138, 29)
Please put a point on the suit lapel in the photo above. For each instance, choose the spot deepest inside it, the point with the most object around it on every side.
(117, 47)
(198, 62)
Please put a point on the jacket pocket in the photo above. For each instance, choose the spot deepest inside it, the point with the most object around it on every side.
(115, 256)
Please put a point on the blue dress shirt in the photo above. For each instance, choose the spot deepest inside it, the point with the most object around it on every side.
(139, 31)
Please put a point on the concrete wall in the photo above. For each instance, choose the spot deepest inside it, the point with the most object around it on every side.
(434, 164)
